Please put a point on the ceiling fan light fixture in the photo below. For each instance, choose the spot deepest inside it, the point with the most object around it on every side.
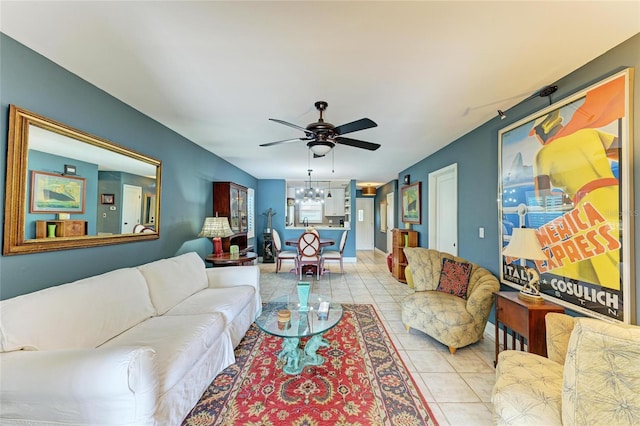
(320, 147)
(369, 191)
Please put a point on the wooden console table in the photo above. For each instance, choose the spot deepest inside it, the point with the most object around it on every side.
(63, 228)
(525, 320)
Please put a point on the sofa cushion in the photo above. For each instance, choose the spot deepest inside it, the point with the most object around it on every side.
(81, 314)
(229, 301)
(454, 277)
(409, 277)
(172, 280)
(179, 342)
(527, 390)
(602, 374)
(236, 304)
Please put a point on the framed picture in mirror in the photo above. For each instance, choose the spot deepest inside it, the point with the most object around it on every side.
(53, 193)
(107, 198)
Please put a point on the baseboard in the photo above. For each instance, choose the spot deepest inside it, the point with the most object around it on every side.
(490, 331)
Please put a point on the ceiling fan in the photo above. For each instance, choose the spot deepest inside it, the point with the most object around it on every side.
(321, 136)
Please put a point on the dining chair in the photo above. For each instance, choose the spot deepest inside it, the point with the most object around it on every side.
(336, 255)
(282, 254)
(309, 253)
(315, 231)
(141, 229)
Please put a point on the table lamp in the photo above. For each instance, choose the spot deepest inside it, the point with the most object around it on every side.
(524, 245)
(216, 228)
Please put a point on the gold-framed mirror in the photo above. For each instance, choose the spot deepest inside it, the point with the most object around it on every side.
(68, 189)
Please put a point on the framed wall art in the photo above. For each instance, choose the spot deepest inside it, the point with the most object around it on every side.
(54, 193)
(107, 198)
(566, 172)
(411, 202)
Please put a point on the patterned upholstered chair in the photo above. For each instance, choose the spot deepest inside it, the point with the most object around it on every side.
(454, 320)
(591, 376)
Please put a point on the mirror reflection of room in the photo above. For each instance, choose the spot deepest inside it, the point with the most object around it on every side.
(69, 189)
(111, 192)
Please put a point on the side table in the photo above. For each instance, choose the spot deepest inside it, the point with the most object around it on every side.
(227, 260)
(525, 320)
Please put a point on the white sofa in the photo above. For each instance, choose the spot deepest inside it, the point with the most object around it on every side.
(135, 346)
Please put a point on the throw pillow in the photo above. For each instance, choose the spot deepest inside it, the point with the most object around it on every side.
(454, 278)
(408, 276)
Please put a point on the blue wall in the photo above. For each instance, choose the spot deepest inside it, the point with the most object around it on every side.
(33, 82)
(476, 154)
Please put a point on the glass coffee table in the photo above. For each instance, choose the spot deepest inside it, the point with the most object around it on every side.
(301, 324)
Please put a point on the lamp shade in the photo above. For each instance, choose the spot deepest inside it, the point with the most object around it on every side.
(369, 191)
(524, 244)
(216, 227)
(321, 147)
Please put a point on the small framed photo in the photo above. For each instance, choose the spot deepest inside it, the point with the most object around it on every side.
(407, 179)
(107, 199)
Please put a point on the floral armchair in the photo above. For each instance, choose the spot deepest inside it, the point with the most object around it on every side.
(590, 377)
(454, 320)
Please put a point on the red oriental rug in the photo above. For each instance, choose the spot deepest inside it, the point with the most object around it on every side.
(362, 382)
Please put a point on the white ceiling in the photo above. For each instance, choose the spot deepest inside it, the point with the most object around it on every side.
(216, 71)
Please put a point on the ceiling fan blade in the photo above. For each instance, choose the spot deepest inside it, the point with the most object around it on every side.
(286, 141)
(286, 123)
(357, 143)
(354, 126)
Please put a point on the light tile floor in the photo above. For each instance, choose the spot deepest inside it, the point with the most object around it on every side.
(456, 387)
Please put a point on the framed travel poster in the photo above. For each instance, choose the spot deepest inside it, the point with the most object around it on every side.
(411, 203)
(55, 193)
(566, 172)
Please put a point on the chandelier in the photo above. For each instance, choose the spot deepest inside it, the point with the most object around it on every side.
(309, 193)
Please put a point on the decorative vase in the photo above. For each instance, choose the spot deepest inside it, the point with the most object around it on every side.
(51, 231)
(303, 295)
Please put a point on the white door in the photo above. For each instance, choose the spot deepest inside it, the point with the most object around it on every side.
(443, 209)
(391, 209)
(131, 206)
(364, 224)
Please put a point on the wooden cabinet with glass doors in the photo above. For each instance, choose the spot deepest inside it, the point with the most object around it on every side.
(230, 201)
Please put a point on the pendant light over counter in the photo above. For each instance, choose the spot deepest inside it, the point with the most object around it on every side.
(369, 191)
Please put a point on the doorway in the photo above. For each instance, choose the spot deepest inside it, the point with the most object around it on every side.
(131, 207)
(443, 209)
(364, 224)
